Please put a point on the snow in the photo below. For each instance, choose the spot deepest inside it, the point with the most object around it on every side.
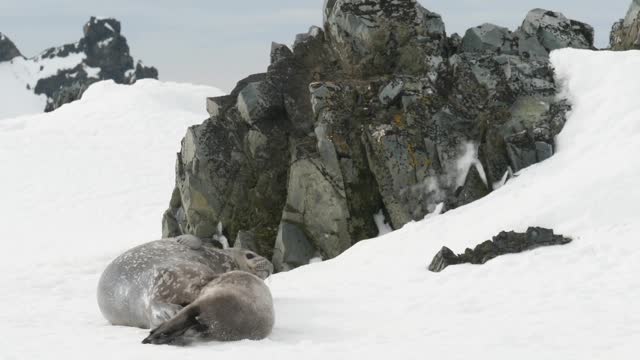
(468, 158)
(15, 98)
(219, 236)
(92, 72)
(381, 223)
(92, 179)
(45, 67)
(106, 41)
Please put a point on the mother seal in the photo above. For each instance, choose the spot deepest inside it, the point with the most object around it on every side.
(150, 284)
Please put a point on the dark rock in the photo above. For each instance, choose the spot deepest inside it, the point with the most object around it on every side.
(8, 49)
(489, 38)
(292, 249)
(106, 57)
(280, 52)
(246, 240)
(64, 87)
(227, 174)
(382, 37)
(378, 111)
(625, 34)
(144, 72)
(107, 49)
(69, 93)
(502, 244)
(259, 101)
(474, 188)
(543, 31)
(443, 258)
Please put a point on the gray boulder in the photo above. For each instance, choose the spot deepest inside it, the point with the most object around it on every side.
(280, 52)
(258, 101)
(489, 38)
(625, 34)
(543, 31)
(374, 37)
(8, 49)
(293, 248)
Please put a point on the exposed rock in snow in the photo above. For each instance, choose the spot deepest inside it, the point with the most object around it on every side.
(8, 49)
(502, 244)
(375, 112)
(544, 31)
(381, 37)
(63, 73)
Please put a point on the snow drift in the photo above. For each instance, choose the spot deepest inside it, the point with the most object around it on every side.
(89, 181)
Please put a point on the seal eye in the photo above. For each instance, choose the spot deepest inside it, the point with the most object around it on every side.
(250, 256)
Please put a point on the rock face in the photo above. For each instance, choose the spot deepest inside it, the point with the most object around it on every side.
(378, 111)
(625, 34)
(502, 244)
(101, 54)
(8, 50)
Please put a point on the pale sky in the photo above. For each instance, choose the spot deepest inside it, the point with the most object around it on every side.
(218, 42)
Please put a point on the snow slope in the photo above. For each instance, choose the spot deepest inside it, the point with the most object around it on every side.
(15, 98)
(95, 193)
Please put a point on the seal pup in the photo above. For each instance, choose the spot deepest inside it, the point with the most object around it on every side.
(235, 306)
(151, 283)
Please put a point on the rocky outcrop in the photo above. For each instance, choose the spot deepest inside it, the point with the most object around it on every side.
(8, 49)
(101, 54)
(380, 110)
(502, 244)
(382, 37)
(625, 34)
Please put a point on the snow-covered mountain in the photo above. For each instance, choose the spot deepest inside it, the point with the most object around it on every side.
(61, 74)
(86, 182)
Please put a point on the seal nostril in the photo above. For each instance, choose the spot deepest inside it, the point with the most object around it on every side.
(250, 256)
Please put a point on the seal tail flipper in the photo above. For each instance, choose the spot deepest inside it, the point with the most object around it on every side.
(171, 332)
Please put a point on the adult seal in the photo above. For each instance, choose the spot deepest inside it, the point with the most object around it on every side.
(149, 284)
(235, 306)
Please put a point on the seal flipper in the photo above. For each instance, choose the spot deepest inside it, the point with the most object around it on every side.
(171, 332)
(160, 313)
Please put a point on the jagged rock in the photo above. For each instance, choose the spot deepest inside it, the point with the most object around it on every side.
(489, 38)
(257, 101)
(378, 111)
(444, 258)
(317, 201)
(105, 56)
(474, 188)
(292, 249)
(280, 52)
(106, 49)
(625, 34)
(385, 36)
(543, 31)
(502, 244)
(8, 49)
(222, 179)
(143, 72)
